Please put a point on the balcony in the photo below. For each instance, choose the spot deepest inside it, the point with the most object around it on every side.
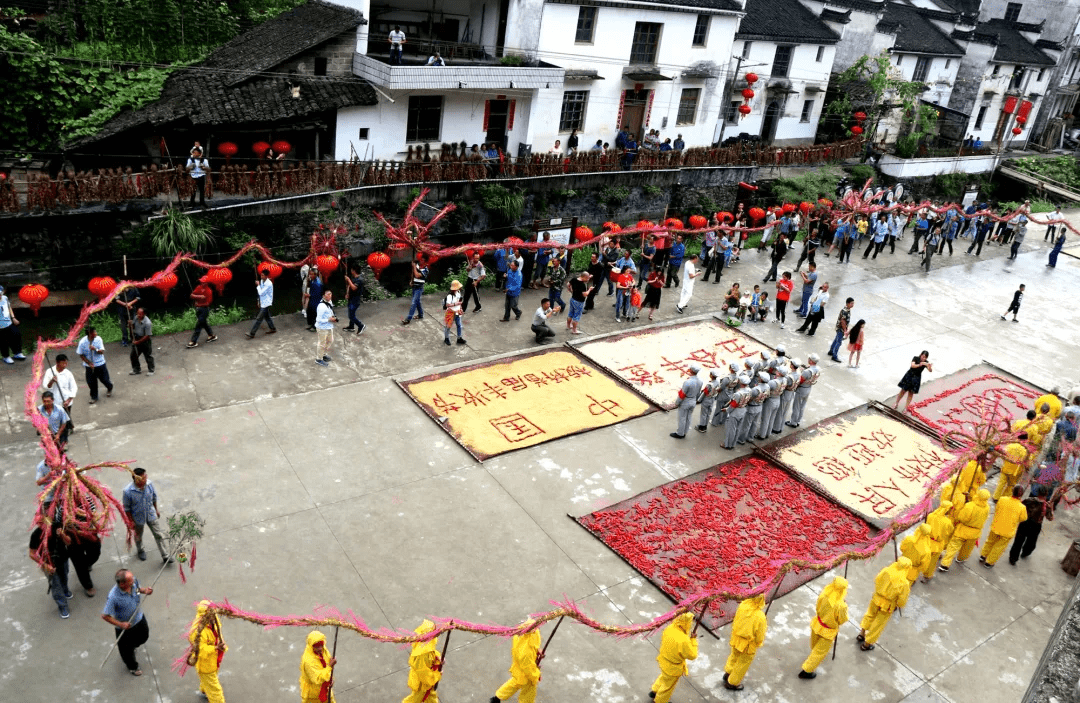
(472, 74)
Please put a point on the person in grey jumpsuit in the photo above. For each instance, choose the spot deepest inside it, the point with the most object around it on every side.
(688, 398)
(708, 400)
(791, 382)
(810, 376)
(771, 406)
(728, 385)
(737, 412)
(753, 408)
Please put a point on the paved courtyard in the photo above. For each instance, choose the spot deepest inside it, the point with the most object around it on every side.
(330, 486)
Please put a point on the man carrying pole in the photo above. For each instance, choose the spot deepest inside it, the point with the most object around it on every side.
(832, 612)
(123, 612)
(677, 645)
(525, 658)
(425, 668)
(747, 635)
(316, 670)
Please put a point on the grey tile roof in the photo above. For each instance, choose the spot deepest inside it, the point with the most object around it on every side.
(786, 21)
(916, 34)
(729, 5)
(1012, 47)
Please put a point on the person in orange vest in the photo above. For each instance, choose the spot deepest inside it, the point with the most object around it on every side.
(891, 590)
(831, 613)
(969, 524)
(747, 635)
(677, 645)
(1009, 514)
(941, 529)
(207, 650)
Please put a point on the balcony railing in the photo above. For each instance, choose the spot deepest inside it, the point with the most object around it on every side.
(489, 76)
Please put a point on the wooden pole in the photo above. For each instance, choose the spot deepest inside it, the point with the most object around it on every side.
(442, 663)
(333, 655)
(543, 652)
(701, 615)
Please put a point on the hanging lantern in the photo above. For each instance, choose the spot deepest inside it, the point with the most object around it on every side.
(1020, 119)
(612, 227)
(101, 286)
(34, 295)
(582, 234)
(327, 264)
(698, 222)
(856, 130)
(757, 214)
(859, 116)
(725, 217)
(748, 93)
(469, 254)
(165, 282)
(378, 262)
(272, 269)
(674, 223)
(260, 148)
(788, 208)
(282, 147)
(804, 207)
(1017, 131)
(751, 78)
(219, 276)
(744, 110)
(228, 150)
(824, 202)
(645, 224)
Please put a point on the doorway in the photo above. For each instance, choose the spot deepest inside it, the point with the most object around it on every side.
(498, 115)
(635, 103)
(768, 124)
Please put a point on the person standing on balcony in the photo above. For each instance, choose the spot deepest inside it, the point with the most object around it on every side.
(197, 166)
(572, 143)
(397, 41)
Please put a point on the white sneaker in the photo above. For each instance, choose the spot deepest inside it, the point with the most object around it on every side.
(8, 359)
(781, 326)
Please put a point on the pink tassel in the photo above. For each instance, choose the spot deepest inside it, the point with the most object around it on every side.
(183, 579)
(193, 556)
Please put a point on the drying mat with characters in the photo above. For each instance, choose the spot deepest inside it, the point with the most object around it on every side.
(869, 459)
(958, 401)
(520, 401)
(654, 360)
(727, 528)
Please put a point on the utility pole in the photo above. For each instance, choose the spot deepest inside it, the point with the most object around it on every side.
(727, 99)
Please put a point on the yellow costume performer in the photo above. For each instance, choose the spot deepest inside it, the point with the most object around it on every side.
(1011, 468)
(209, 649)
(524, 669)
(831, 614)
(969, 524)
(956, 497)
(1053, 401)
(676, 646)
(972, 478)
(917, 547)
(316, 670)
(425, 668)
(747, 634)
(891, 589)
(941, 529)
(1009, 514)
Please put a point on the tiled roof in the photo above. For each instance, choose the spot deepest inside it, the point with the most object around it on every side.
(729, 5)
(871, 6)
(1012, 47)
(784, 20)
(916, 34)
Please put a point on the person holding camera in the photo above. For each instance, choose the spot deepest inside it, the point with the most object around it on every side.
(540, 317)
(198, 167)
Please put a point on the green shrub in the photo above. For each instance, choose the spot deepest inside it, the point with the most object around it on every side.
(508, 204)
(809, 187)
(1037, 206)
(907, 145)
(614, 195)
(861, 173)
(653, 191)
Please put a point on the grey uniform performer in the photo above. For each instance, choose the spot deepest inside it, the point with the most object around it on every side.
(708, 400)
(688, 398)
(792, 380)
(728, 386)
(737, 412)
(753, 409)
(771, 407)
(810, 376)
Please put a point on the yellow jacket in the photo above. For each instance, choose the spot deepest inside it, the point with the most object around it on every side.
(972, 477)
(972, 517)
(748, 627)
(1009, 514)
(956, 497)
(314, 670)
(891, 586)
(831, 609)
(941, 526)
(676, 646)
(206, 661)
(424, 661)
(1017, 455)
(523, 653)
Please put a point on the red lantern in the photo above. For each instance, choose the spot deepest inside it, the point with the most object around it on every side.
(378, 262)
(744, 110)
(514, 241)
(34, 295)
(725, 217)
(859, 116)
(824, 202)
(645, 224)
(260, 148)
(757, 214)
(219, 276)
(748, 93)
(674, 223)
(1017, 130)
(856, 130)
(751, 78)
(282, 147)
(228, 150)
(582, 234)
(612, 227)
(165, 282)
(1010, 105)
(272, 269)
(804, 207)
(327, 265)
(101, 286)
(1020, 119)
(469, 254)
(698, 222)
(788, 208)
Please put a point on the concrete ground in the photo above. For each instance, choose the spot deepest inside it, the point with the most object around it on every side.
(329, 486)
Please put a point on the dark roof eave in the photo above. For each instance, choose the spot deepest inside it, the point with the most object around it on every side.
(786, 39)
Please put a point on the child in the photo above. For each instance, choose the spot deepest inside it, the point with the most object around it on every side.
(635, 303)
(1014, 306)
(760, 312)
(744, 305)
(855, 344)
(931, 246)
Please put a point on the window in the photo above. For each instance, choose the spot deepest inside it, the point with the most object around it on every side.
(573, 110)
(731, 115)
(1038, 79)
(820, 54)
(646, 42)
(1017, 79)
(586, 24)
(688, 102)
(807, 110)
(995, 71)
(922, 67)
(701, 30)
(425, 118)
(980, 116)
(948, 62)
(899, 59)
(1012, 11)
(363, 133)
(781, 62)
(320, 65)
(746, 49)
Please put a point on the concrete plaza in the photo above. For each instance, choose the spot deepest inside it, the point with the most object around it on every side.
(330, 486)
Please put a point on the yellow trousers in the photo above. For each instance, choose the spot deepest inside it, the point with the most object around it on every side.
(819, 649)
(316, 699)
(995, 545)
(508, 689)
(1005, 485)
(963, 546)
(931, 565)
(738, 663)
(874, 622)
(417, 696)
(209, 684)
(663, 687)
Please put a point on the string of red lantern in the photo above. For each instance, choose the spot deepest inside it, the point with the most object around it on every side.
(34, 295)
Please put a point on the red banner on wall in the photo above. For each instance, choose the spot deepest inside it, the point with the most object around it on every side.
(1025, 109)
(510, 117)
(1010, 105)
(487, 113)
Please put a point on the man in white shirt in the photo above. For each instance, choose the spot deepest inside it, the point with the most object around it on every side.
(197, 166)
(435, 60)
(92, 352)
(324, 324)
(265, 288)
(61, 381)
(815, 310)
(397, 40)
(689, 273)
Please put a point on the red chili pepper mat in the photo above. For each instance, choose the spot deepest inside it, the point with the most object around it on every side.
(727, 527)
(959, 401)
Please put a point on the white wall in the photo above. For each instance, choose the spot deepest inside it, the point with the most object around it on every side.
(998, 84)
(916, 168)
(857, 37)
(941, 75)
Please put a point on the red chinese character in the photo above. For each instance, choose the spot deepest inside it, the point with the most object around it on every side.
(642, 376)
(921, 467)
(882, 438)
(705, 358)
(832, 466)
(516, 427)
(493, 392)
(444, 407)
(470, 398)
(861, 453)
(533, 378)
(599, 407)
(514, 383)
(879, 502)
(679, 367)
(734, 346)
